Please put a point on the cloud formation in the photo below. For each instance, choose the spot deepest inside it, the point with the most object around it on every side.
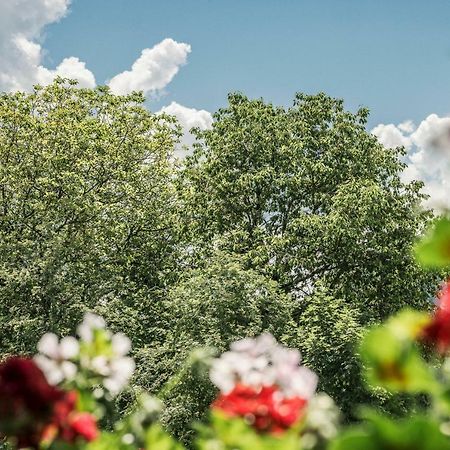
(188, 118)
(153, 70)
(21, 26)
(428, 155)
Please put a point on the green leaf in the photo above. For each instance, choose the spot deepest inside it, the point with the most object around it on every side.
(434, 249)
(383, 433)
(158, 439)
(392, 359)
(227, 433)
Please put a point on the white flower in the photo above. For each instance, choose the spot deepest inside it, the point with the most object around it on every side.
(54, 357)
(303, 383)
(67, 348)
(263, 362)
(121, 370)
(321, 421)
(121, 344)
(90, 322)
(101, 365)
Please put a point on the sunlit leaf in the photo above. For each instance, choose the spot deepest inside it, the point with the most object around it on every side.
(434, 249)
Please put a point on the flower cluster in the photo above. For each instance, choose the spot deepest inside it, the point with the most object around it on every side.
(264, 408)
(99, 356)
(105, 353)
(69, 424)
(264, 383)
(54, 396)
(58, 398)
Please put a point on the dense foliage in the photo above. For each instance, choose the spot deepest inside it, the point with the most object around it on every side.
(307, 194)
(289, 220)
(85, 208)
(310, 199)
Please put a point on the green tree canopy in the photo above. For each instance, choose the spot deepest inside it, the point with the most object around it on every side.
(288, 220)
(307, 194)
(86, 206)
(211, 306)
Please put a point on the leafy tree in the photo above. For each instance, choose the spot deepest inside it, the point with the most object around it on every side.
(293, 221)
(310, 199)
(211, 307)
(327, 335)
(86, 208)
(307, 194)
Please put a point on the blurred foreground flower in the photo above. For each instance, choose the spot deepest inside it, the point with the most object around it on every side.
(69, 424)
(99, 357)
(26, 401)
(264, 408)
(262, 382)
(55, 357)
(103, 353)
(437, 331)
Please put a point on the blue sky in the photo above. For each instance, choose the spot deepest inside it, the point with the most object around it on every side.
(392, 56)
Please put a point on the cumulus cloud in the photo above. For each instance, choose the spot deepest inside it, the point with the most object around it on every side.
(21, 25)
(407, 126)
(153, 70)
(188, 118)
(391, 136)
(428, 155)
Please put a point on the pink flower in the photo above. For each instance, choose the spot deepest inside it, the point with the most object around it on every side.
(262, 362)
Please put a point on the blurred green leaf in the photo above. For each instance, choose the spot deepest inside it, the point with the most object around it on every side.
(383, 433)
(408, 324)
(158, 439)
(235, 434)
(434, 249)
(391, 357)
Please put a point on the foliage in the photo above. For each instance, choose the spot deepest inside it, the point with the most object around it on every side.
(434, 249)
(210, 307)
(327, 336)
(382, 433)
(86, 207)
(307, 194)
(288, 220)
(62, 397)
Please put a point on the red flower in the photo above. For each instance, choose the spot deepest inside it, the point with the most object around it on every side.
(84, 424)
(31, 410)
(437, 331)
(68, 424)
(266, 409)
(26, 401)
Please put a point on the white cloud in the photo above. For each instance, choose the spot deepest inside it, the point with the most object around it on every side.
(153, 70)
(407, 126)
(188, 118)
(433, 132)
(391, 136)
(21, 26)
(428, 155)
(69, 68)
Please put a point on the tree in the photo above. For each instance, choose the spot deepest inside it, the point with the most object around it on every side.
(86, 208)
(307, 197)
(210, 307)
(307, 194)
